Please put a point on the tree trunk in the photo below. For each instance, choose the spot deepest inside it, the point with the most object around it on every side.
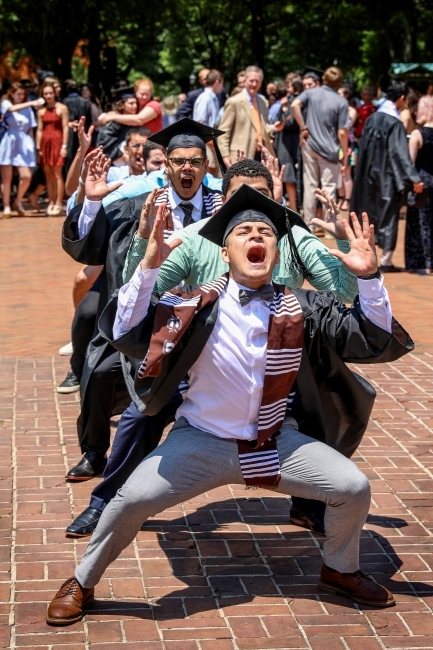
(258, 32)
(95, 68)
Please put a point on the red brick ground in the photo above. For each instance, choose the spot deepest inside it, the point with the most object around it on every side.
(222, 572)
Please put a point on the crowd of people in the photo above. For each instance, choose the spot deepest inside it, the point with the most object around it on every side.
(195, 238)
(317, 139)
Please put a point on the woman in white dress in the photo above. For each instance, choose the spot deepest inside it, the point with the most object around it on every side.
(17, 147)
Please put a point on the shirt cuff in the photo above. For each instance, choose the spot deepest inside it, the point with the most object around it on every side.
(91, 208)
(370, 289)
(145, 279)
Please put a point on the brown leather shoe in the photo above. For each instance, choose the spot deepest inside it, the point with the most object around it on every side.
(69, 602)
(356, 586)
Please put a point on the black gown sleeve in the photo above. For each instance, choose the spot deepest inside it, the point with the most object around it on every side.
(135, 343)
(350, 333)
(92, 248)
(402, 167)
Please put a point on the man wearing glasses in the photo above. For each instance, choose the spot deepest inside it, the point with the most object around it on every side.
(96, 235)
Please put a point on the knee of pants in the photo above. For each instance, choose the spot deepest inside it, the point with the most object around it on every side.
(357, 488)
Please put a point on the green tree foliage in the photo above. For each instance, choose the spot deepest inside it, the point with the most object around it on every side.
(169, 40)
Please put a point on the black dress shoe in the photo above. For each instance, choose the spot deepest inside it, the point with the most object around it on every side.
(311, 520)
(90, 465)
(84, 524)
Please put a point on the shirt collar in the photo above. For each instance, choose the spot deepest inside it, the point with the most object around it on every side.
(210, 92)
(175, 200)
(233, 289)
(389, 108)
(248, 96)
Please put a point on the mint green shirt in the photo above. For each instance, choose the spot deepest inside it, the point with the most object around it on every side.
(198, 260)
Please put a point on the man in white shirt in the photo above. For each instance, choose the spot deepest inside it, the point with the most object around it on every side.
(241, 341)
(206, 110)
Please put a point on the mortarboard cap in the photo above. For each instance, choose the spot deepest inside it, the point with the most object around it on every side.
(187, 133)
(248, 204)
(315, 73)
(119, 94)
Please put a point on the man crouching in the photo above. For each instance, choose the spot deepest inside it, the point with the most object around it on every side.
(245, 344)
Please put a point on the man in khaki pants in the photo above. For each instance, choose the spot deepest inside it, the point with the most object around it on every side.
(245, 120)
(322, 133)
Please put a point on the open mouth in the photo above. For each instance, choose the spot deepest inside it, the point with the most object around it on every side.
(186, 183)
(256, 255)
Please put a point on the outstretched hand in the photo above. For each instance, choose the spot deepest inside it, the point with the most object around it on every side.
(157, 249)
(85, 139)
(149, 212)
(333, 221)
(96, 187)
(273, 166)
(361, 259)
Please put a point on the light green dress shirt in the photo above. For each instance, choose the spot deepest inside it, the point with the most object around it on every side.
(198, 260)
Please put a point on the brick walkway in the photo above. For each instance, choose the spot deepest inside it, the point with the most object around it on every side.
(224, 571)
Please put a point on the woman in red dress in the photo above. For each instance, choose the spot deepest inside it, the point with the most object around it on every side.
(52, 144)
(149, 110)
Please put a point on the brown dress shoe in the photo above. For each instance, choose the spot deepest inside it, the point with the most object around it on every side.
(69, 602)
(356, 586)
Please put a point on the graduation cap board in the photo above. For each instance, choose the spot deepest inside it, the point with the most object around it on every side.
(248, 204)
(187, 133)
(119, 94)
(314, 73)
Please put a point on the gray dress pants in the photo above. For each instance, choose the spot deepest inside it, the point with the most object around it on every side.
(191, 461)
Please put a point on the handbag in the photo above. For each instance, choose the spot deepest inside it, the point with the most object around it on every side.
(418, 200)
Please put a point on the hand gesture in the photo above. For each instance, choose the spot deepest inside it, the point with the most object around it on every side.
(240, 155)
(273, 166)
(157, 249)
(85, 139)
(361, 259)
(278, 126)
(148, 215)
(96, 187)
(333, 220)
(86, 162)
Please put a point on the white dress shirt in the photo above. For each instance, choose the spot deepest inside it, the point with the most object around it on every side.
(231, 367)
(206, 108)
(90, 210)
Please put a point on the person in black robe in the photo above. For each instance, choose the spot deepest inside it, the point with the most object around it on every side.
(256, 442)
(106, 242)
(384, 170)
(78, 107)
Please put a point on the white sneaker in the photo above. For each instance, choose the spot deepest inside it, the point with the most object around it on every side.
(66, 350)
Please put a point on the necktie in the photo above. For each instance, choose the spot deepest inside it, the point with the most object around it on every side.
(187, 208)
(257, 120)
(265, 293)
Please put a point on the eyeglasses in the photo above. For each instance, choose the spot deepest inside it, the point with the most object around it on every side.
(194, 162)
(136, 147)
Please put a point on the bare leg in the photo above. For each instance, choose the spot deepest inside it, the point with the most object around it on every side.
(51, 186)
(348, 188)
(291, 193)
(6, 174)
(34, 196)
(60, 185)
(23, 186)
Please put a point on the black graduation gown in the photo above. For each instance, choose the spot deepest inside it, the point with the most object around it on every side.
(336, 402)
(110, 137)
(384, 169)
(107, 243)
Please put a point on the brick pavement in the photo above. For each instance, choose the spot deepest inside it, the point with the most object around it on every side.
(224, 571)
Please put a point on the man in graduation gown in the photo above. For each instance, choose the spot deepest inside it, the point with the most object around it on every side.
(240, 341)
(98, 236)
(384, 169)
(198, 261)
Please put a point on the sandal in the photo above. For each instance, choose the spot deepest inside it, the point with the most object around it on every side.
(19, 208)
(57, 209)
